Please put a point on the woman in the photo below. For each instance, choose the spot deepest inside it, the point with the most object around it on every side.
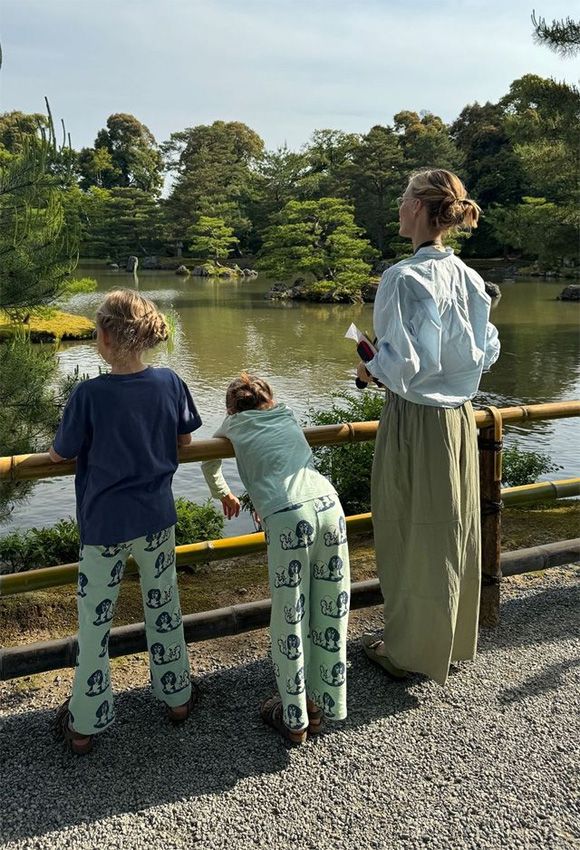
(431, 318)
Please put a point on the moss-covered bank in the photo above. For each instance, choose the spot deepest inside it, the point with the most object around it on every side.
(50, 326)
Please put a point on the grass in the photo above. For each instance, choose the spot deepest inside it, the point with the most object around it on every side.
(51, 613)
(51, 326)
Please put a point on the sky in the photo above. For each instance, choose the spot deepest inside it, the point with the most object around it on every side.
(284, 67)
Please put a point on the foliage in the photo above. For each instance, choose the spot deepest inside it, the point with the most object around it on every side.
(59, 544)
(538, 228)
(120, 222)
(197, 522)
(125, 154)
(16, 127)
(28, 412)
(213, 175)
(77, 285)
(348, 467)
(375, 176)
(523, 467)
(426, 142)
(561, 36)
(319, 239)
(210, 237)
(38, 243)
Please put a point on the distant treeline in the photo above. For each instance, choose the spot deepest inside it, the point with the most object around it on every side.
(518, 157)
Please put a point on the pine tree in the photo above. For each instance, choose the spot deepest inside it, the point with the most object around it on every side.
(38, 243)
(561, 36)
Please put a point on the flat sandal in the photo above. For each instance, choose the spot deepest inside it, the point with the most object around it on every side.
(78, 744)
(271, 712)
(180, 713)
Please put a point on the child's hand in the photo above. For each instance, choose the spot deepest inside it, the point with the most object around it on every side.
(231, 505)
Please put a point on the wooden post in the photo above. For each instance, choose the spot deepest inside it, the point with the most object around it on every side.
(490, 448)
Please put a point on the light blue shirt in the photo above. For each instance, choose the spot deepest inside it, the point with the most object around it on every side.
(274, 460)
(431, 319)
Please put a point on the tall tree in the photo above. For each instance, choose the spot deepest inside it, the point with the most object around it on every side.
(37, 252)
(426, 142)
(16, 126)
(134, 159)
(278, 178)
(328, 154)
(374, 178)
(213, 168)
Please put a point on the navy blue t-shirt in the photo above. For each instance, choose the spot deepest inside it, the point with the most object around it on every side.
(123, 430)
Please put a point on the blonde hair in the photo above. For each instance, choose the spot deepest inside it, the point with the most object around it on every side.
(445, 198)
(133, 321)
(248, 393)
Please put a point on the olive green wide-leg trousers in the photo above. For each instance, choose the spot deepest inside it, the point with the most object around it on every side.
(426, 517)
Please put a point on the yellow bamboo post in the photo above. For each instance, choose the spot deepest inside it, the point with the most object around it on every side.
(490, 447)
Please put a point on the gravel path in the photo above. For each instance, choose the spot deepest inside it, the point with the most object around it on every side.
(488, 762)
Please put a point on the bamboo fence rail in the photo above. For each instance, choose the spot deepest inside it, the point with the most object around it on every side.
(32, 466)
(248, 544)
(489, 421)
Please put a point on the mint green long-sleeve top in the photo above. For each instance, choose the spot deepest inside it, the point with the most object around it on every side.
(274, 460)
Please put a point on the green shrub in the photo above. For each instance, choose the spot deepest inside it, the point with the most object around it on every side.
(39, 547)
(59, 544)
(348, 466)
(197, 522)
(522, 467)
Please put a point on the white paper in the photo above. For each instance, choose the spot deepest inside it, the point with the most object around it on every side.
(354, 333)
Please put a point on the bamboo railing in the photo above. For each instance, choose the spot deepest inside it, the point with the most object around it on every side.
(248, 544)
(490, 422)
(32, 466)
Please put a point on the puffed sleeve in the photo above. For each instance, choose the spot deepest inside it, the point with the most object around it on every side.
(74, 426)
(492, 346)
(410, 337)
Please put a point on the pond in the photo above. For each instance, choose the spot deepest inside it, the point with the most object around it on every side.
(223, 327)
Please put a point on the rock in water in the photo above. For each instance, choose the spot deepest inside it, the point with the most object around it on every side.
(492, 289)
(570, 293)
(182, 270)
(132, 264)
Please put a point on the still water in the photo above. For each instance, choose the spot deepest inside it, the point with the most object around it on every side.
(223, 327)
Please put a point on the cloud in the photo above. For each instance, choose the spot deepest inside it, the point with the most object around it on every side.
(285, 67)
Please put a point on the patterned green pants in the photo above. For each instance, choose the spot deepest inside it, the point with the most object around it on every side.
(100, 573)
(310, 587)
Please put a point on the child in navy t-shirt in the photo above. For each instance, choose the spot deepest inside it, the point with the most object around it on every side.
(124, 429)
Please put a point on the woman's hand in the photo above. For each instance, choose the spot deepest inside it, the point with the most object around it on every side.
(231, 505)
(363, 373)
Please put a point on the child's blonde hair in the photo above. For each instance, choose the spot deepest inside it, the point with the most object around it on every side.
(248, 393)
(133, 320)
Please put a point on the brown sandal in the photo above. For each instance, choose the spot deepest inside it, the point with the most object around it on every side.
(272, 713)
(180, 713)
(315, 720)
(78, 744)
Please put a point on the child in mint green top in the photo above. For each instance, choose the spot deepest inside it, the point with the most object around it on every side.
(307, 555)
